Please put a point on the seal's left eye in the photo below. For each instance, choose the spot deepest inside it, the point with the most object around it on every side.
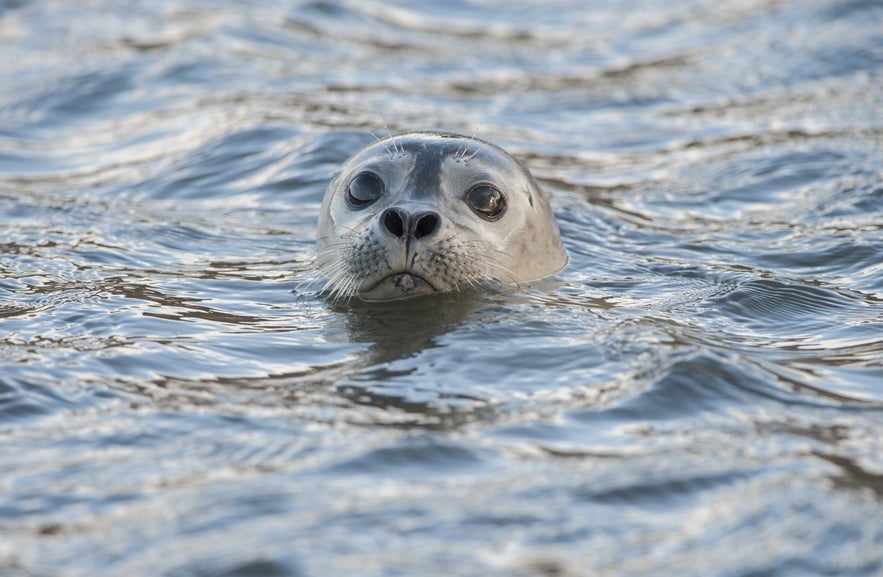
(363, 190)
(487, 202)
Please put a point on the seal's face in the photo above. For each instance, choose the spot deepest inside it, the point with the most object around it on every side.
(426, 212)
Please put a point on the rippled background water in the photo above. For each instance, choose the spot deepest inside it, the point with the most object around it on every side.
(699, 393)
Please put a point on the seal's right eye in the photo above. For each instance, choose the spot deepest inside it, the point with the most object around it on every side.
(363, 190)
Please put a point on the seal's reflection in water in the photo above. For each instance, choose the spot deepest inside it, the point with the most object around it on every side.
(402, 329)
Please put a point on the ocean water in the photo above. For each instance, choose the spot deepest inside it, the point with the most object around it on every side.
(700, 392)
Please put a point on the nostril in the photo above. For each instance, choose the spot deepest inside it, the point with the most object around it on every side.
(425, 225)
(393, 222)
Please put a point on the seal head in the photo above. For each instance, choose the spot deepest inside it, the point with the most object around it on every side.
(430, 212)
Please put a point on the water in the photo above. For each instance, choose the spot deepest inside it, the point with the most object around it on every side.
(699, 393)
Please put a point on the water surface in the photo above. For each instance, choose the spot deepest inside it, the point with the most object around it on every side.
(700, 392)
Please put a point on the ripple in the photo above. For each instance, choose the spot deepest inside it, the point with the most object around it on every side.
(796, 312)
(701, 381)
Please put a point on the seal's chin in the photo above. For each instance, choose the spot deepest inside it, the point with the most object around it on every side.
(398, 286)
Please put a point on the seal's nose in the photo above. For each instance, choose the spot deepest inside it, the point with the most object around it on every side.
(424, 224)
(394, 221)
(417, 226)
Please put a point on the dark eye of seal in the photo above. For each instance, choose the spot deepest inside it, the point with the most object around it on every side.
(487, 202)
(363, 190)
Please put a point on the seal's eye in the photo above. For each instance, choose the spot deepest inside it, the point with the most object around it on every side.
(363, 190)
(487, 202)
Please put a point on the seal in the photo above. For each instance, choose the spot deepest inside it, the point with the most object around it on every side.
(428, 212)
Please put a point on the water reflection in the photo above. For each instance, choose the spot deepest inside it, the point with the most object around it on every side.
(701, 381)
(401, 328)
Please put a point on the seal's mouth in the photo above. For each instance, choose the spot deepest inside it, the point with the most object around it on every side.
(398, 286)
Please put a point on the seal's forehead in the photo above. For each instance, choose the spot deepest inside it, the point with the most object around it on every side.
(425, 151)
(428, 149)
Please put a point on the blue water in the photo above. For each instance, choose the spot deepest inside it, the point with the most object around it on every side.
(699, 393)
